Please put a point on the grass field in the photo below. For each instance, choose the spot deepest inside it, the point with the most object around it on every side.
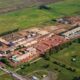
(6, 77)
(9, 3)
(29, 17)
(12, 3)
(64, 56)
(1, 72)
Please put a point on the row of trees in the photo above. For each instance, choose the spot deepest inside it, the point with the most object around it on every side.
(76, 78)
(64, 66)
(5, 61)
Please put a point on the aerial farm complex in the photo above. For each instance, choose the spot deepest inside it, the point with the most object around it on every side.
(25, 45)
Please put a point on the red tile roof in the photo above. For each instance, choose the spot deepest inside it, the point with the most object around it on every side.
(49, 42)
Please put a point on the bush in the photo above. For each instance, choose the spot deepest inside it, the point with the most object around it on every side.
(71, 69)
(56, 69)
(63, 65)
(44, 7)
(46, 66)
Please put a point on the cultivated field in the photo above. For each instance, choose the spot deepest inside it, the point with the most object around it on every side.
(29, 17)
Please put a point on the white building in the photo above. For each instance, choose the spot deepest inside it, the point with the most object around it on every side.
(72, 33)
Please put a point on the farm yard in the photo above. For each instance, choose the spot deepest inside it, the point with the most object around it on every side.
(35, 17)
(61, 62)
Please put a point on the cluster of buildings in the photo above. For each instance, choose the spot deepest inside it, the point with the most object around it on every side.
(26, 45)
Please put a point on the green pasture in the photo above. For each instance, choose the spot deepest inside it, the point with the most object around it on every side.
(34, 17)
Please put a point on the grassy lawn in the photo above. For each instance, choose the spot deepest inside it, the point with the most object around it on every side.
(27, 3)
(64, 56)
(1, 72)
(30, 17)
(67, 54)
(12, 3)
(6, 77)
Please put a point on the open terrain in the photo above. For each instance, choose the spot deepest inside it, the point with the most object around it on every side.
(33, 16)
(12, 5)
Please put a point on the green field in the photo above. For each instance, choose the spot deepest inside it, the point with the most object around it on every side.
(1, 72)
(9, 3)
(6, 77)
(64, 56)
(29, 17)
(28, 3)
(4, 4)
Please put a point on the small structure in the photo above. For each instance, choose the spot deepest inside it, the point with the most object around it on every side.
(72, 33)
(73, 59)
(34, 78)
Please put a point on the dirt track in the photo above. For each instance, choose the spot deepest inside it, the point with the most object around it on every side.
(22, 4)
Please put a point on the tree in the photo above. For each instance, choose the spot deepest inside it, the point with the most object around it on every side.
(76, 78)
(4, 60)
(44, 7)
(46, 57)
(46, 66)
